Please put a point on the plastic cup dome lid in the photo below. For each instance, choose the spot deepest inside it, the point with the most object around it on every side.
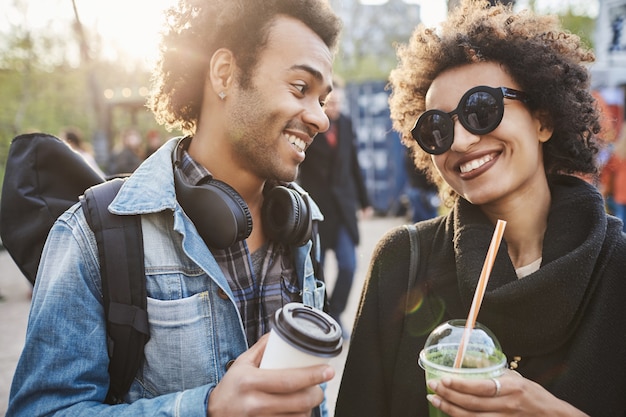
(451, 332)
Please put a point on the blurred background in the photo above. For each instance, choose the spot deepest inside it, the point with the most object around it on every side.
(83, 66)
(86, 64)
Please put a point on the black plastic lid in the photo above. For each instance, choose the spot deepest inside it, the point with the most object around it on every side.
(308, 329)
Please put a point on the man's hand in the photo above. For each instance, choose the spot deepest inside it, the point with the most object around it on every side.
(247, 390)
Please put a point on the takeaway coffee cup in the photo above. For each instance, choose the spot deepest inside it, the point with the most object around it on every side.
(301, 336)
(483, 357)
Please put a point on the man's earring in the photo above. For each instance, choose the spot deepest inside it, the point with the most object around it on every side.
(222, 95)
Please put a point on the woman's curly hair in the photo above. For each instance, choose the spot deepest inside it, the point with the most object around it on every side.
(195, 29)
(546, 61)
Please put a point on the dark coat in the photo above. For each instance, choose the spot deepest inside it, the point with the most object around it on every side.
(332, 176)
(566, 321)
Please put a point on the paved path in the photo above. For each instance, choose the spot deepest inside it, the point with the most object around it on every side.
(15, 290)
(371, 231)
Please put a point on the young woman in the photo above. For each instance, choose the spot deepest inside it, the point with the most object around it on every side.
(497, 106)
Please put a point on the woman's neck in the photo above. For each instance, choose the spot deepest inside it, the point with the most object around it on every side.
(527, 219)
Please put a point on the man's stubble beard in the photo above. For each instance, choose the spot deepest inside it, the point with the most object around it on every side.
(250, 119)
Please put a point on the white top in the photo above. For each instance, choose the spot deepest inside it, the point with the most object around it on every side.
(526, 270)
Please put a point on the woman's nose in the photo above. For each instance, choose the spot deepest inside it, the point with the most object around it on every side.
(463, 139)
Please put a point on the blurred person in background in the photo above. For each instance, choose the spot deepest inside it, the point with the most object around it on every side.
(129, 155)
(74, 137)
(613, 178)
(154, 141)
(421, 192)
(331, 174)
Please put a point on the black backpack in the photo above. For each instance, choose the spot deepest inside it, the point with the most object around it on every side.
(43, 178)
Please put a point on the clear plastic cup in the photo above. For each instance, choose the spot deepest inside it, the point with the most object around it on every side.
(483, 357)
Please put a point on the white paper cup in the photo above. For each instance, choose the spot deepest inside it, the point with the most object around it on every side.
(301, 336)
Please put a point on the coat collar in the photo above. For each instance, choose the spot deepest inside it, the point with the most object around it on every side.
(540, 311)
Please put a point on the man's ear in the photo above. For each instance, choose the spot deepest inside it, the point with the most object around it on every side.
(221, 71)
(544, 125)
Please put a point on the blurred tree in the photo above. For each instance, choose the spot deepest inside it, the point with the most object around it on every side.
(369, 33)
(34, 82)
(574, 16)
(46, 85)
(581, 25)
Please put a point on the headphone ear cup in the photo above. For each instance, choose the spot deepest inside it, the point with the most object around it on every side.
(286, 216)
(218, 212)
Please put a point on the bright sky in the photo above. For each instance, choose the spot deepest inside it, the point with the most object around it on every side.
(133, 25)
(433, 11)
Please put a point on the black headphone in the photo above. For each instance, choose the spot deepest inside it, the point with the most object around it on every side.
(222, 217)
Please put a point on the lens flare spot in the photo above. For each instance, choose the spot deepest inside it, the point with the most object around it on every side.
(423, 313)
(414, 302)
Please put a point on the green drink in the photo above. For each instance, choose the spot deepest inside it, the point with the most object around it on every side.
(483, 357)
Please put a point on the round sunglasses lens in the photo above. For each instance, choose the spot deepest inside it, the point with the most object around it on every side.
(434, 132)
(481, 112)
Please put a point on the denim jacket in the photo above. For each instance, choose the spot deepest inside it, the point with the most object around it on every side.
(195, 326)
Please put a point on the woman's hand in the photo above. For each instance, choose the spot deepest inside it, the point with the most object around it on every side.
(516, 396)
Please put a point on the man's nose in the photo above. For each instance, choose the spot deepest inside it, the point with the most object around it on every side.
(316, 116)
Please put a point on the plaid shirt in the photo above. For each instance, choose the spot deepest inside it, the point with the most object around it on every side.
(259, 291)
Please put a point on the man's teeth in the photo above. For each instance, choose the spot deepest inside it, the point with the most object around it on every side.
(474, 164)
(297, 142)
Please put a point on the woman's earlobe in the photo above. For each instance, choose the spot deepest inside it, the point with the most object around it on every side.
(544, 128)
(545, 133)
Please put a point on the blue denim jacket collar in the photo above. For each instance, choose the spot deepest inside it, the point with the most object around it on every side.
(154, 178)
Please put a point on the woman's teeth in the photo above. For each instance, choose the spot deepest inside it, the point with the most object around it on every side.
(297, 142)
(475, 164)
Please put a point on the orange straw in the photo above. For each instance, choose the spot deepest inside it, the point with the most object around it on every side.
(480, 290)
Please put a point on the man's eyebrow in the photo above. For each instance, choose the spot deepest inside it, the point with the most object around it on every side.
(315, 73)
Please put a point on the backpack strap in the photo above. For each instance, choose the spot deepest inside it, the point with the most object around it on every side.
(414, 249)
(119, 238)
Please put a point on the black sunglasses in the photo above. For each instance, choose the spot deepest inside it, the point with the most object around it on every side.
(480, 111)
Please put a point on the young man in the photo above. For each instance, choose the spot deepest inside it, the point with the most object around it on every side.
(246, 81)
